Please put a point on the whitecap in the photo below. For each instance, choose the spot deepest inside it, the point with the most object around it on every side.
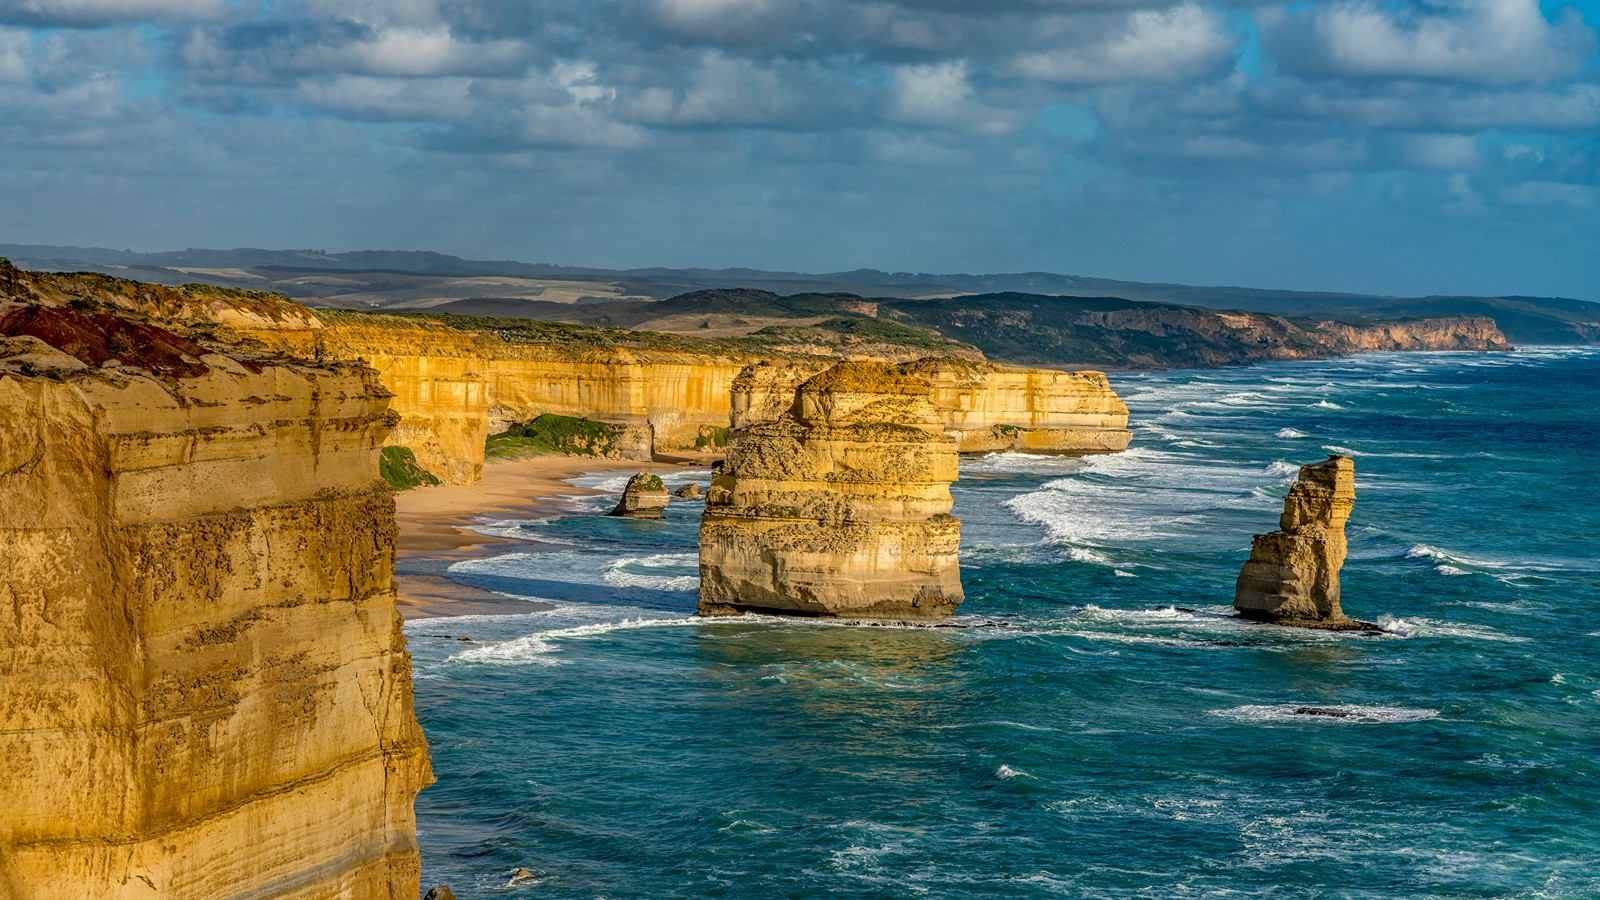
(1284, 470)
(1122, 574)
(1324, 404)
(1420, 627)
(635, 571)
(1290, 434)
(1343, 714)
(1342, 451)
(1085, 555)
(534, 647)
(1396, 626)
(1006, 771)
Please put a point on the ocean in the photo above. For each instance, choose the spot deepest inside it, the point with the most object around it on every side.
(1105, 729)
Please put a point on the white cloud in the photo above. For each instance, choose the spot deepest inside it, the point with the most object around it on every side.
(1176, 44)
(15, 48)
(1479, 41)
(940, 96)
(1447, 152)
(412, 52)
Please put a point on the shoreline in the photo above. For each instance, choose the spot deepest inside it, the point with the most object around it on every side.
(435, 527)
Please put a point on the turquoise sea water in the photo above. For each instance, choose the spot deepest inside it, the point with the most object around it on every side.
(1123, 736)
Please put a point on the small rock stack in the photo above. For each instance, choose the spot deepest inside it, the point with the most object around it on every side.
(1292, 577)
(644, 498)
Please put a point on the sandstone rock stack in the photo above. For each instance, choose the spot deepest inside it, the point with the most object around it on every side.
(644, 498)
(204, 689)
(838, 508)
(1292, 577)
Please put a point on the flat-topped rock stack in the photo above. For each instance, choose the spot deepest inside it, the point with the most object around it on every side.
(1292, 577)
(839, 507)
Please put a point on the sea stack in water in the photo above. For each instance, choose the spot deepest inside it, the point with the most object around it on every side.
(1292, 577)
(644, 498)
(838, 508)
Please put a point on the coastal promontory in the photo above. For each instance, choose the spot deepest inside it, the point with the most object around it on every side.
(204, 688)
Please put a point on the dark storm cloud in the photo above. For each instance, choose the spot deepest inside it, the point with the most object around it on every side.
(705, 131)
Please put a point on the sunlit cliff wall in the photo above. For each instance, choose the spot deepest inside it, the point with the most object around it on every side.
(204, 689)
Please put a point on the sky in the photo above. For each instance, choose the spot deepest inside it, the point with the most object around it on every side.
(1393, 147)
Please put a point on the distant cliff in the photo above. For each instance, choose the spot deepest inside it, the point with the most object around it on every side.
(1055, 331)
(205, 691)
(1036, 330)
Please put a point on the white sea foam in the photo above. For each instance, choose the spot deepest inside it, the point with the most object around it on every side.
(636, 571)
(1421, 627)
(1396, 626)
(1342, 451)
(1343, 714)
(1012, 461)
(1006, 771)
(535, 647)
(1283, 470)
(1084, 555)
(1123, 574)
(1326, 404)
(1290, 434)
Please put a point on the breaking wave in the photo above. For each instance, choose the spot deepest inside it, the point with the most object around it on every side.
(1341, 714)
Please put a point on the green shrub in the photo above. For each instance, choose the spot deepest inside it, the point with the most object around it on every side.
(554, 434)
(715, 437)
(398, 466)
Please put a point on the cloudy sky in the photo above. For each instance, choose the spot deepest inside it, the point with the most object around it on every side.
(1397, 146)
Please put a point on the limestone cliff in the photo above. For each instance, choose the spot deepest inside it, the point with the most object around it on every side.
(453, 386)
(983, 406)
(838, 508)
(204, 689)
(1292, 577)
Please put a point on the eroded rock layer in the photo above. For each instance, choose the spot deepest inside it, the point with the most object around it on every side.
(1292, 577)
(453, 387)
(204, 689)
(840, 507)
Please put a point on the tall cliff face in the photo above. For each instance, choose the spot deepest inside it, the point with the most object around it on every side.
(1292, 576)
(839, 508)
(204, 690)
(452, 387)
(984, 407)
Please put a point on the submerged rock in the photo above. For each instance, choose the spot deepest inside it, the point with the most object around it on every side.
(521, 877)
(839, 508)
(1322, 711)
(1292, 577)
(644, 498)
(442, 892)
(690, 491)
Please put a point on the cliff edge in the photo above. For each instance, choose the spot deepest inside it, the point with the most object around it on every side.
(205, 691)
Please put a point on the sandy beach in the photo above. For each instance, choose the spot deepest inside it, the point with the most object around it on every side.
(435, 527)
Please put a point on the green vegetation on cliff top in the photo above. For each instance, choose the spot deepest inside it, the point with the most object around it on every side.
(553, 434)
(399, 467)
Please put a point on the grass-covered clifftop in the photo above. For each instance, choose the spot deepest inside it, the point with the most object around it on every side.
(550, 433)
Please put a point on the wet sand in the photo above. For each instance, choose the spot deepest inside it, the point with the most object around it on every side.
(435, 527)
